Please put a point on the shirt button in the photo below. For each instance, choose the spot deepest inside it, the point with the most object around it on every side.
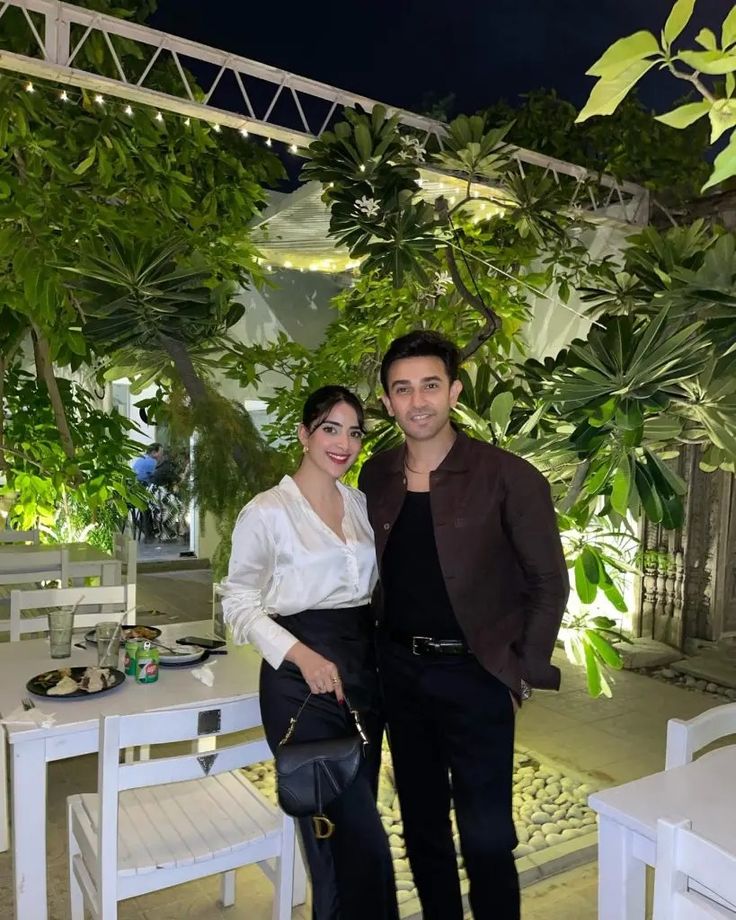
(386, 526)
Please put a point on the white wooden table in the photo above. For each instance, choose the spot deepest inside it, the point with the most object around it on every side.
(76, 732)
(703, 791)
(85, 560)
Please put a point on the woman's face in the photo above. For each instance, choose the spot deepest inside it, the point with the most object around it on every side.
(334, 444)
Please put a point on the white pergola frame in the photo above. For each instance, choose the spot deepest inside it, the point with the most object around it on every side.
(56, 62)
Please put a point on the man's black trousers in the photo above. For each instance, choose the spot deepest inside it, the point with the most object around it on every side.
(451, 731)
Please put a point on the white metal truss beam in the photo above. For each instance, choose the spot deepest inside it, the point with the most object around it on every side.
(290, 101)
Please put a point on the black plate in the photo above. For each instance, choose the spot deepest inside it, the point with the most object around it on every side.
(91, 636)
(41, 687)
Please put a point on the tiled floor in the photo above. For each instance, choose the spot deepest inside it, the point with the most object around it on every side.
(614, 740)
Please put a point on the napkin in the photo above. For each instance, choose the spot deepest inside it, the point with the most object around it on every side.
(205, 674)
(30, 717)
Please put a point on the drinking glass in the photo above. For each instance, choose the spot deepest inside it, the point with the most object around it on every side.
(61, 623)
(108, 644)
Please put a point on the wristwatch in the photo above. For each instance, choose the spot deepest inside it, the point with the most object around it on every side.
(526, 690)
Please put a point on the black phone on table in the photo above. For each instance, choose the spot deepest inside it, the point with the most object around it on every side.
(201, 642)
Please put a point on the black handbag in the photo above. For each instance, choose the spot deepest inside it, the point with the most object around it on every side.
(312, 774)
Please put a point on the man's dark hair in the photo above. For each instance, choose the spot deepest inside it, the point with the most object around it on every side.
(153, 448)
(422, 343)
(320, 403)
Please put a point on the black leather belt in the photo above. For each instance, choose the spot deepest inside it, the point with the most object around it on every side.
(426, 646)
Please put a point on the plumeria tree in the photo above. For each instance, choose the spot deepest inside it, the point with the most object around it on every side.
(604, 416)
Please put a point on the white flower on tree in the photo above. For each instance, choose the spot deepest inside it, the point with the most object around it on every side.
(413, 149)
(441, 282)
(368, 206)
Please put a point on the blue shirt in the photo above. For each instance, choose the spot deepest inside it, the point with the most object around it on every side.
(143, 468)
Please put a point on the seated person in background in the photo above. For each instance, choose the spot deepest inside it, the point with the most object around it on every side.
(144, 465)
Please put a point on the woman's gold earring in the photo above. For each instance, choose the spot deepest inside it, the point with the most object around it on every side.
(306, 448)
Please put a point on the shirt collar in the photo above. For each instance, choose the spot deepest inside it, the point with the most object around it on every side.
(456, 461)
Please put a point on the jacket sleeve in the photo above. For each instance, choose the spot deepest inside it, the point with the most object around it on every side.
(531, 526)
(252, 561)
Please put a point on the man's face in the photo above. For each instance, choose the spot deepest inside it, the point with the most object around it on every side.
(420, 396)
(158, 455)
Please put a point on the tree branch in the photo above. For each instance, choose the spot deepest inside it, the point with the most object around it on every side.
(692, 78)
(576, 487)
(45, 375)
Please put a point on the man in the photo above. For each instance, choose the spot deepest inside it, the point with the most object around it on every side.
(473, 587)
(144, 465)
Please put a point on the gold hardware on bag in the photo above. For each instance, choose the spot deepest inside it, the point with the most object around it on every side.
(323, 827)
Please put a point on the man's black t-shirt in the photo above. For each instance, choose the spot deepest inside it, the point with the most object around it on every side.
(415, 597)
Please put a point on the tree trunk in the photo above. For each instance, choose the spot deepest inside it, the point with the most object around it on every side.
(192, 382)
(45, 375)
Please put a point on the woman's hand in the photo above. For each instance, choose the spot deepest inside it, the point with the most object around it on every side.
(320, 673)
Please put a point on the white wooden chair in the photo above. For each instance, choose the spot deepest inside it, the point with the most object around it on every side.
(202, 818)
(31, 567)
(116, 596)
(126, 552)
(19, 536)
(694, 879)
(685, 739)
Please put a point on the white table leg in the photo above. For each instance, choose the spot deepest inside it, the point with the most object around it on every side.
(29, 829)
(621, 877)
(4, 824)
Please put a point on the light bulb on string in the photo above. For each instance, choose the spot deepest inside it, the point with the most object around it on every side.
(30, 88)
(293, 149)
(159, 116)
(243, 132)
(64, 96)
(128, 110)
(268, 142)
(187, 122)
(100, 100)
(216, 129)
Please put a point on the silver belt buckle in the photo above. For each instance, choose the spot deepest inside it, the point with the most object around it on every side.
(415, 639)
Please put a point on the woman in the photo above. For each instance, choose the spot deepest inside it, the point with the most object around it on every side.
(301, 574)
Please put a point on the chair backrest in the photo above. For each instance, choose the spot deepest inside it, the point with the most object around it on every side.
(163, 727)
(117, 596)
(126, 552)
(694, 879)
(685, 739)
(34, 565)
(19, 536)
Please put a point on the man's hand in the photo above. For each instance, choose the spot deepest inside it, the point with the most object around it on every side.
(320, 673)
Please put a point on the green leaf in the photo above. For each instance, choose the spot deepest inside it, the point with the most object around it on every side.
(706, 39)
(665, 477)
(679, 17)
(615, 598)
(621, 490)
(722, 117)
(650, 499)
(604, 649)
(592, 671)
(730, 82)
(728, 29)
(86, 162)
(685, 115)
(724, 165)
(622, 54)
(607, 94)
(500, 412)
(710, 62)
(585, 588)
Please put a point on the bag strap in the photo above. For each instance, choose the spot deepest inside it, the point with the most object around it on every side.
(294, 719)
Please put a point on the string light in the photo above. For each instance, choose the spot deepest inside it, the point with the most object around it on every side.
(362, 167)
(29, 88)
(187, 122)
(159, 116)
(293, 149)
(243, 132)
(128, 109)
(64, 96)
(268, 142)
(100, 100)
(216, 129)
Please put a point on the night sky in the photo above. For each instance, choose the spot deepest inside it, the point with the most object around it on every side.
(399, 51)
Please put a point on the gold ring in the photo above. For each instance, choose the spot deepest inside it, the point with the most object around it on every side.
(335, 680)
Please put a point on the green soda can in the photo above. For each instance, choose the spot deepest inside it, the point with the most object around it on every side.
(146, 664)
(131, 654)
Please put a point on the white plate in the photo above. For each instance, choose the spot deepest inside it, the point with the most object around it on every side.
(187, 653)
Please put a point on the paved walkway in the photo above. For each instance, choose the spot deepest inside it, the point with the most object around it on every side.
(613, 741)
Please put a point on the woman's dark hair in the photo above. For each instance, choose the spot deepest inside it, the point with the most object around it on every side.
(320, 403)
(422, 343)
(153, 448)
